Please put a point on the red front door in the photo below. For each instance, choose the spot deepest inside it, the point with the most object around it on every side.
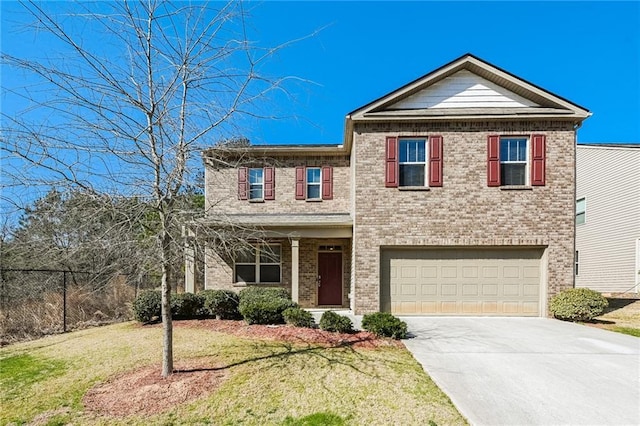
(330, 278)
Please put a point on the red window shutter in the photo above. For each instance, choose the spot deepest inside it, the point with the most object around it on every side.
(243, 183)
(327, 183)
(435, 161)
(538, 147)
(493, 161)
(391, 168)
(301, 183)
(269, 183)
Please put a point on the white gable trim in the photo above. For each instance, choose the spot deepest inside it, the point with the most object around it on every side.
(463, 89)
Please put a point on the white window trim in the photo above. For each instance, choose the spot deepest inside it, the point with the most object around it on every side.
(255, 184)
(583, 212)
(257, 265)
(319, 184)
(527, 162)
(413, 163)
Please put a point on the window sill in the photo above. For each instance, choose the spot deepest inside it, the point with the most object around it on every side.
(313, 200)
(243, 285)
(516, 188)
(257, 201)
(414, 188)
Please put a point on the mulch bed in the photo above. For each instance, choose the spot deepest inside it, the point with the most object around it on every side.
(361, 339)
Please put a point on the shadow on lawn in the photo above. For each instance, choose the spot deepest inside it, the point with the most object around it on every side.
(342, 353)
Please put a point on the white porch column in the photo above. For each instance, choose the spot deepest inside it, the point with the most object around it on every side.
(295, 261)
(189, 263)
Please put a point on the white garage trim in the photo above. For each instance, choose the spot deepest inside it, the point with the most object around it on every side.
(493, 281)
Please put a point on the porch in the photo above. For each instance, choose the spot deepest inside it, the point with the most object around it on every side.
(309, 255)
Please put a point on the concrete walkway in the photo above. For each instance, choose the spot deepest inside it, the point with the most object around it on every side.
(530, 371)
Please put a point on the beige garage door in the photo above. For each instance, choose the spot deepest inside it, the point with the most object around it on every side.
(461, 281)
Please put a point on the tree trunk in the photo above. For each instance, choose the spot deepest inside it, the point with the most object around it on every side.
(167, 325)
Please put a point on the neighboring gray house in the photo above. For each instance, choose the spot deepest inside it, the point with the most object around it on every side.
(608, 218)
(452, 195)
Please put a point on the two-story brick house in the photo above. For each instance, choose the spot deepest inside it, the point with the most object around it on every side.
(454, 194)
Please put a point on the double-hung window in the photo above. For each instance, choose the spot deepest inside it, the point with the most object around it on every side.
(516, 161)
(412, 162)
(581, 211)
(314, 183)
(513, 161)
(256, 184)
(259, 264)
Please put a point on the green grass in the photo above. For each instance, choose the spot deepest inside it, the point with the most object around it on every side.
(268, 382)
(20, 372)
(627, 330)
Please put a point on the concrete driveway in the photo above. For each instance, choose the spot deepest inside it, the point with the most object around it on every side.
(530, 371)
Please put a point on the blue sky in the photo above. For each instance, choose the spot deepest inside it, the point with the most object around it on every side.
(587, 52)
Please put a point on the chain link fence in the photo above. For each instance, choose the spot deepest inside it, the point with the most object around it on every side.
(37, 302)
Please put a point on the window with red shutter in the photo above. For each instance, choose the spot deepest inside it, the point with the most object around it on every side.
(538, 148)
(435, 161)
(327, 183)
(269, 183)
(301, 183)
(493, 160)
(243, 183)
(391, 167)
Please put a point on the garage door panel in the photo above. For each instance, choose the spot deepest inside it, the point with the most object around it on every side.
(462, 282)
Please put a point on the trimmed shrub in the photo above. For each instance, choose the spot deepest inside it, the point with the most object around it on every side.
(147, 305)
(186, 305)
(298, 317)
(222, 304)
(577, 304)
(262, 292)
(260, 305)
(330, 321)
(384, 324)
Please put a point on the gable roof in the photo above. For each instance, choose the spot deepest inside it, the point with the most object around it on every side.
(443, 93)
(467, 88)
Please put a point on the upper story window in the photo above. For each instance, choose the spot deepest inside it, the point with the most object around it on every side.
(513, 161)
(581, 211)
(256, 183)
(412, 162)
(314, 183)
(260, 264)
(516, 160)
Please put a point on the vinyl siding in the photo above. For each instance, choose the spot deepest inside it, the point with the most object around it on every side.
(609, 180)
(463, 90)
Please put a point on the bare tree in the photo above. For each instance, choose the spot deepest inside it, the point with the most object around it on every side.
(122, 110)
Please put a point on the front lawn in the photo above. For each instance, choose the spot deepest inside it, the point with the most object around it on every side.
(622, 316)
(266, 381)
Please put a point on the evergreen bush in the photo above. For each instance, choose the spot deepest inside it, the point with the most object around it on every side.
(147, 306)
(384, 324)
(578, 304)
(330, 321)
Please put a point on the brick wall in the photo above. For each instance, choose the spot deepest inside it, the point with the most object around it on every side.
(222, 187)
(464, 211)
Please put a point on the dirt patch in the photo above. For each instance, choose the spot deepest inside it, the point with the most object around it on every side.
(361, 339)
(145, 392)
